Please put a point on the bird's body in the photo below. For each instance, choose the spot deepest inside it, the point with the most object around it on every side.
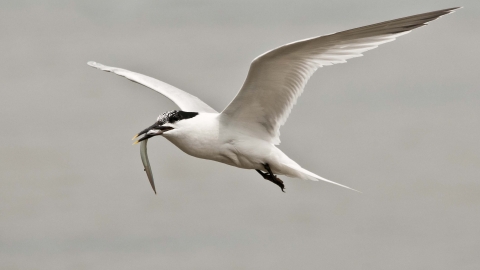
(215, 140)
(246, 132)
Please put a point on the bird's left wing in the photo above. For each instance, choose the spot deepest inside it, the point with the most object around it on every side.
(277, 78)
(184, 100)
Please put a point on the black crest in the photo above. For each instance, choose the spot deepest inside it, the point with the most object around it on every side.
(174, 116)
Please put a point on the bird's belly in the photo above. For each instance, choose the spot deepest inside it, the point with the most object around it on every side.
(197, 147)
(239, 153)
(246, 154)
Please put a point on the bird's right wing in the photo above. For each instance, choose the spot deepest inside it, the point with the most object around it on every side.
(184, 100)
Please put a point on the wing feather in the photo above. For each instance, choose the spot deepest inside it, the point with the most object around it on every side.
(184, 100)
(277, 78)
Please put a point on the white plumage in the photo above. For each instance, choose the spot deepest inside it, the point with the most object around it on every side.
(246, 132)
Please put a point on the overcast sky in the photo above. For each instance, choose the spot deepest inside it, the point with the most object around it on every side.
(401, 124)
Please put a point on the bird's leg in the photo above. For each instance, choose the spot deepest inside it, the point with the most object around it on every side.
(264, 175)
(271, 177)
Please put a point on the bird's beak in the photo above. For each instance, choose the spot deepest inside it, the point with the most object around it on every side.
(151, 131)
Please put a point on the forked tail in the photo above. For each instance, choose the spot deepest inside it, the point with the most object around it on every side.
(304, 174)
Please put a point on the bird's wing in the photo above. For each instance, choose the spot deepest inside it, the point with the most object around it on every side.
(184, 100)
(277, 78)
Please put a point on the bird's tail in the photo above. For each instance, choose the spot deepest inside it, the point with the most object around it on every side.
(304, 174)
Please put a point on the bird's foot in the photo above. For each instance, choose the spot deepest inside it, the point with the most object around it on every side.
(277, 181)
(272, 178)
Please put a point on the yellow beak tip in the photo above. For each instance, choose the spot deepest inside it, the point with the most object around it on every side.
(134, 137)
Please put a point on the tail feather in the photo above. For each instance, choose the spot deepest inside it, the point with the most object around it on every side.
(304, 174)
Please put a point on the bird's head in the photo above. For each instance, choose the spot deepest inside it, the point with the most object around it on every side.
(165, 122)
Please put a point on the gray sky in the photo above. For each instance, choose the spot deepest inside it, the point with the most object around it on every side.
(401, 124)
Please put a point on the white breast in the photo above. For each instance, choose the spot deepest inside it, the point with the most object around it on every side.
(204, 136)
(197, 136)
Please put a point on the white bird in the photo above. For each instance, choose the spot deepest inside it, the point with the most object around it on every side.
(245, 133)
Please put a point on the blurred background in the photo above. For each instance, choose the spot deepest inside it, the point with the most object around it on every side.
(401, 124)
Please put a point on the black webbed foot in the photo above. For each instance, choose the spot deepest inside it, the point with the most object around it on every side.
(271, 177)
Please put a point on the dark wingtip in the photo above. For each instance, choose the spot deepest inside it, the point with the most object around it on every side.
(451, 10)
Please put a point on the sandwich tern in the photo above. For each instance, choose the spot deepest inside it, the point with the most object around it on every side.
(245, 133)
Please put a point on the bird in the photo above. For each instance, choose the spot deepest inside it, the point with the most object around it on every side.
(246, 133)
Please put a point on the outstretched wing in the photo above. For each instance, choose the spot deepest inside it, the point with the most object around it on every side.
(184, 100)
(277, 78)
